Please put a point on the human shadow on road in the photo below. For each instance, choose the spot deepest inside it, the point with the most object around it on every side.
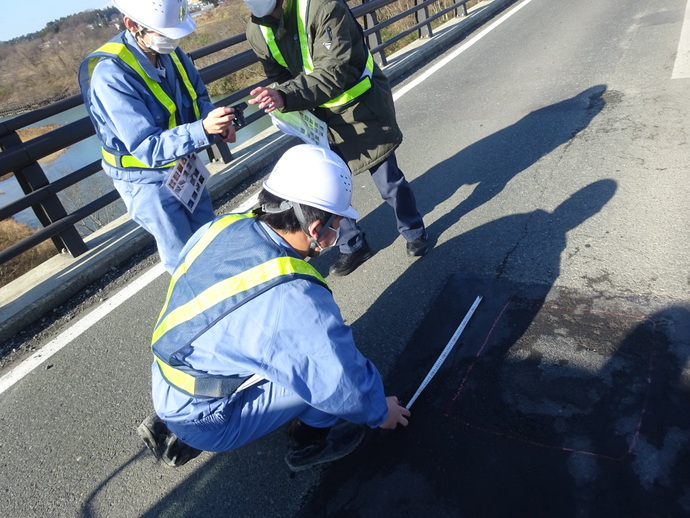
(493, 161)
(490, 163)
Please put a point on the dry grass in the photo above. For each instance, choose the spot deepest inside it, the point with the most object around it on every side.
(12, 232)
(217, 24)
(29, 133)
(396, 28)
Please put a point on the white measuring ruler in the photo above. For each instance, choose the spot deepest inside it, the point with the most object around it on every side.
(446, 351)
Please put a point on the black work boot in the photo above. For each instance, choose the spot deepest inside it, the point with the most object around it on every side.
(348, 263)
(164, 444)
(419, 246)
(302, 434)
(340, 441)
(176, 453)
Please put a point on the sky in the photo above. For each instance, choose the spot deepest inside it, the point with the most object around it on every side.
(26, 16)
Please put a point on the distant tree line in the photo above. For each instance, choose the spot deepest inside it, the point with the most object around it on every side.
(43, 66)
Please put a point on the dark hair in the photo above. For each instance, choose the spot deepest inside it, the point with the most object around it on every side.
(287, 221)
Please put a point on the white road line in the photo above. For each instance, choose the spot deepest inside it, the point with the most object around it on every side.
(77, 329)
(438, 66)
(681, 68)
(82, 325)
(92, 318)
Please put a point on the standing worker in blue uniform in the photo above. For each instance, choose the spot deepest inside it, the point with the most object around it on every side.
(250, 337)
(314, 52)
(150, 108)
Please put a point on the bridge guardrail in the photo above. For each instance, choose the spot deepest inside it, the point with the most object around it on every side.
(21, 158)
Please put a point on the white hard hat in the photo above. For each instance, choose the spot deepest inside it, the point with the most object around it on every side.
(314, 176)
(167, 17)
(261, 8)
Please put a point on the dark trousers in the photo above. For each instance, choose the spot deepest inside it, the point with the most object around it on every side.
(396, 191)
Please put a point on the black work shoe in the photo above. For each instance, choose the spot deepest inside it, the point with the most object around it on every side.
(418, 247)
(342, 440)
(164, 444)
(176, 453)
(301, 434)
(348, 263)
(154, 433)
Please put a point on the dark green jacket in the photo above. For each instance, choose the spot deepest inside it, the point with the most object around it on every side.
(365, 131)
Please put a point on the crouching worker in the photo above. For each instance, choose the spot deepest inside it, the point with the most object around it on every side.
(250, 337)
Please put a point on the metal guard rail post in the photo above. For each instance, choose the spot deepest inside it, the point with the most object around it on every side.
(21, 158)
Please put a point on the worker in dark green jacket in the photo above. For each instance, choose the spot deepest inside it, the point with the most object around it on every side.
(315, 54)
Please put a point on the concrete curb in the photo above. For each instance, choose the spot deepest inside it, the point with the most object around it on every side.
(28, 298)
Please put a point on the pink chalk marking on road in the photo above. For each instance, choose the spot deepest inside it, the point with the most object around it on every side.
(505, 435)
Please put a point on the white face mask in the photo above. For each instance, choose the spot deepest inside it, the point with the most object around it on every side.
(337, 237)
(161, 44)
(261, 8)
(316, 249)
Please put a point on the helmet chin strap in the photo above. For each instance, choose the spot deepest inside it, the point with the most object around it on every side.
(313, 241)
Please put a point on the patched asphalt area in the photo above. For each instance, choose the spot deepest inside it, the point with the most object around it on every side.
(552, 403)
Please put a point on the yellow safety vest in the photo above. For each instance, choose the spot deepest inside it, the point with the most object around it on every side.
(348, 95)
(198, 299)
(120, 51)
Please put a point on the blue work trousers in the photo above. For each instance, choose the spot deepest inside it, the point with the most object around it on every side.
(257, 411)
(397, 192)
(154, 207)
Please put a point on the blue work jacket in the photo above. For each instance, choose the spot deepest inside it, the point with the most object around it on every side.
(292, 335)
(130, 120)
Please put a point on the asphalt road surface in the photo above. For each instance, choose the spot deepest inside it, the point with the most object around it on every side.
(550, 159)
